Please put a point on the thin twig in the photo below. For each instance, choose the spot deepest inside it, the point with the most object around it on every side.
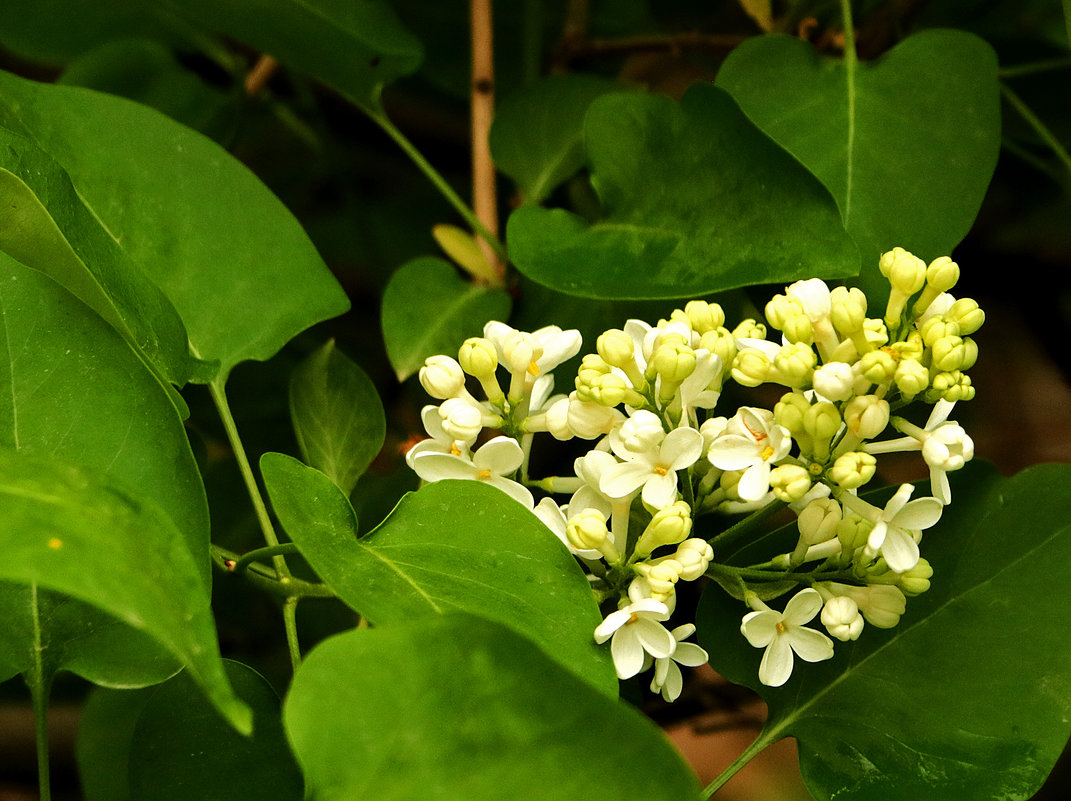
(261, 73)
(484, 191)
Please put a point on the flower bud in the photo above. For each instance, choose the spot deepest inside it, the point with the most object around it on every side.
(616, 347)
(847, 309)
(822, 421)
(966, 313)
(866, 416)
(789, 412)
(794, 364)
(588, 531)
(520, 350)
(948, 447)
(878, 366)
(661, 576)
(881, 604)
(789, 482)
(911, 377)
(461, 420)
(906, 272)
(721, 343)
(780, 308)
(478, 357)
(557, 420)
(704, 316)
(949, 353)
(749, 329)
(694, 556)
(853, 532)
(641, 432)
(668, 526)
(442, 377)
(936, 327)
(853, 469)
(607, 390)
(942, 274)
(819, 520)
(751, 368)
(835, 381)
(916, 580)
(953, 387)
(841, 617)
(674, 362)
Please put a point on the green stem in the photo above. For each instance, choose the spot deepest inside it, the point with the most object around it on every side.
(850, 62)
(290, 622)
(380, 118)
(746, 527)
(1039, 127)
(1034, 67)
(764, 739)
(267, 579)
(40, 687)
(252, 556)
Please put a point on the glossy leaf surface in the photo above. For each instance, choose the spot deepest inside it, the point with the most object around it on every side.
(452, 546)
(429, 309)
(456, 708)
(886, 717)
(695, 200)
(906, 144)
(235, 263)
(78, 532)
(337, 415)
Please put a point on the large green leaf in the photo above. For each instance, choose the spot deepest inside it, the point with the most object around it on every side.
(337, 415)
(354, 46)
(452, 546)
(81, 533)
(105, 731)
(696, 200)
(538, 134)
(906, 144)
(970, 695)
(235, 263)
(45, 225)
(458, 708)
(429, 309)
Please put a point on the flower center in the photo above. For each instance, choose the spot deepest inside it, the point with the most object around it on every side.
(456, 451)
(632, 619)
(766, 453)
(661, 471)
(484, 474)
(533, 369)
(781, 627)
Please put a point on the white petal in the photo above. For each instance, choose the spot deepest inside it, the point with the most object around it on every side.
(897, 501)
(938, 485)
(660, 491)
(733, 452)
(612, 623)
(627, 653)
(760, 627)
(810, 645)
(439, 466)
(654, 638)
(690, 654)
(681, 448)
(920, 513)
(623, 479)
(433, 423)
(671, 684)
(802, 607)
(900, 550)
(755, 482)
(501, 455)
(776, 664)
(516, 491)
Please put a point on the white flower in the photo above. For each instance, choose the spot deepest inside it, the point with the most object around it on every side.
(783, 633)
(651, 460)
(751, 442)
(636, 630)
(667, 676)
(550, 346)
(834, 381)
(694, 391)
(553, 517)
(897, 527)
(491, 463)
(439, 442)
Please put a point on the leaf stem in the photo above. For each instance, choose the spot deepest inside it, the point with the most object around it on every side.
(290, 623)
(40, 689)
(1034, 67)
(851, 60)
(764, 739)
(1039, 127)
(380, 118)
(267, 579)
(484, 188)
(745, 527)
(272, 550)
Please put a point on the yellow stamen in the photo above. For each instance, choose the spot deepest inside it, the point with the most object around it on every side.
(533, 369)
(484, 474)
(632, 619)
(767, 452)
(661, 471)
(781, 627)
(454, 449)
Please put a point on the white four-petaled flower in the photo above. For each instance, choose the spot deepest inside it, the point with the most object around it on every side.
(636, 631)
(491, 463)
(783, 634)
(751, 442)
(650, 460)
(897, 527)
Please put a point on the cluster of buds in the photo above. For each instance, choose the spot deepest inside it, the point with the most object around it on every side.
(662, 459)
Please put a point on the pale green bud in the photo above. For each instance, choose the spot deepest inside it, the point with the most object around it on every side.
(878, 366)
(911, 377)
(970, 353)
(694, 556)
(442, 377)
(587, 530)
(819, 520)
(780, 308)
(751, 368)
(937, 327)
(949, 353)
(942, 274)
(795, 365)
(906, 272)
(954, 387)
(673, 361)
(668, 526)
(589, 420)
(749, 329)
(790, 410)
(798, 329)
(616, 347)
(866, 416)
(881, 604)
(966, 313)
(704, 316)
(847, 309)
(592, 362)
(853, 469)
(720, 342)
(520, 350)
(789, 482)
(916, 580)
(607, 390)
(853, 532)
(842, 619)
(910, 348)
(661, 576)
(822, 420)
(479, 359)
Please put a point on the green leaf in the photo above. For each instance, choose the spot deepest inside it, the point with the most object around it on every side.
(458, 708)
(81, 533)
(181, 749)
(696, 200)
(102, 749)
(45, 225)
(906, 144)
(235, 263)
(452, 546)
(354, 46)
(968, 697)
(429, 309)
(337, 416)
(538, 132)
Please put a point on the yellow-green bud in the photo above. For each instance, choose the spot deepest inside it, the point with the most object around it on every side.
(847, 309)
(587, 531)
(853, 469)
(910, 348)
(866, 416)
(587, 420)
(673, 361)
(694, 556)
(594, 363)
(906, 272)
(970, 353)
(795, 364)
(520, 350)
(966, 313)
(790, 410)
(789, 482)
(749, 329)
(799, 329)
(819, 520)
(853, 532)
(911, 377)
(751, 368)
(668, 526)
(949, 353)
(478, 357)
(780, 308)
(954, 387)
(822, 420)
(704, 316)
(661, 576)
(616, 347)
(442, 377)
(937, 327)
(721, 343)
(606, 390)
(878, 366)
(942, 274)
(916, 580)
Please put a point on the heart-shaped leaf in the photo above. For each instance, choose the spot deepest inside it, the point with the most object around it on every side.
(429, 309)
(452, 546)
(456, 708)
(967, 697)
(695, 200)
(906, 144)
(235, 263)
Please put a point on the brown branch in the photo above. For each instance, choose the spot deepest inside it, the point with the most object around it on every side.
(484, 191)
(261, 73)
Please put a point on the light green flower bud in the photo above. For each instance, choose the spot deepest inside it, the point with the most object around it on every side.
(966, 313)
(866, 416)
(668, 526)
(520, 350)
(878, 366)
(608, 390)
(954, 353)
(822, 420)
(911, 348)
(795, 364)
(661, 576)
(954, 387)
(751, 368)
(442, 377)
(799, 329)
(673, 361)
(970, 353)
(589, 420)
(616, 347)
(916, 580)
(842, 619)
(907, 274)
(789, 482)
(780, 308)
(694, 555)
(704, 316)
(478, 357)
(853, 469)
(593, 363)
(588, 531)
(847, 309)
(853, 532)
(819, 521)
(749, 329)
(937, 327)
(881, 604)
(911, 377)
(942, 274)
(728, 482)
(790, 410)
(721, 343)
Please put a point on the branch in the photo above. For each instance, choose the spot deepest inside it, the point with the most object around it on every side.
(484, 191)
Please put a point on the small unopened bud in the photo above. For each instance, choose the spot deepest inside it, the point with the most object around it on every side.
(847, 309)
(794, 364)
(911, 377)
(907, 274)
(916, 580)
(819, 520)
(661, 576)
(966, 313)
(835, 381)
(751, 368)
(674, 362)
(590, 420)
(953, 387)
(853, 469)
(668, 526)
(461, 420)
(704, 316)
(587, 531)
(749, 329)
(866, 416)
(478, 357)
(442, 377)
(789, 482)
(878, 366)
(842, 619)
(790, 410)
(853, 532)
(694, 555)
(721, 343)
(616, 347)
(937, 327)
